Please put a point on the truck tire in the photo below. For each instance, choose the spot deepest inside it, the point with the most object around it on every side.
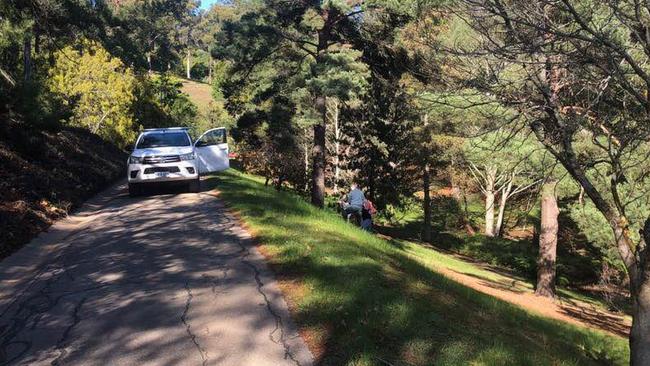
(135, 189)
(195, 186)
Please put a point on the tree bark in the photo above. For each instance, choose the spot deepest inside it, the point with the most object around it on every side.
(640, 287)
(7, 78)
(320, 137)
(337, 136)
(306, 168)
(426, 204)
(640, 332)
(455, 190)
(547, 242)
(187, 67)
(27, 58)
(210, 66)
(149, 62)
(489, 212)
(505, 194)
(318, 157)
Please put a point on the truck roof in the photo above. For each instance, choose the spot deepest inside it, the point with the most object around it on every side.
(166, 129)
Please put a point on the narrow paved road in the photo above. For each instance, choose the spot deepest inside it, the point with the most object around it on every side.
(160, 280)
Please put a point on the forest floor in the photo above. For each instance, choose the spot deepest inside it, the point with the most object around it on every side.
(512, 259)
(366, 300)
(46, 173)
(568, 306)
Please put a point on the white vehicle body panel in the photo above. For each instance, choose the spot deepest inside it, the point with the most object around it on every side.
(212, 151)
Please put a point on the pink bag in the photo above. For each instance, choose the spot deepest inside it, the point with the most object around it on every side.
(368, 206)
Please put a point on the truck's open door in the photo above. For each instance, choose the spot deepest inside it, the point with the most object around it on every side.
(212, 151)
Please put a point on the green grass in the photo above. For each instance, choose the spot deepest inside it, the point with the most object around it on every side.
(375, 302)
(434, 258)
(517, 257)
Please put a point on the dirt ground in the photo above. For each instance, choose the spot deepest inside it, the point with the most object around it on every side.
(46, 174)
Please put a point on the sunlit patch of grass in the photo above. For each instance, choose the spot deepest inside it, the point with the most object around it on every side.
(200, 93)
(376, 302)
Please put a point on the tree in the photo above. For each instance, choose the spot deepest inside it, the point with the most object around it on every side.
(547, 241)
(489, 182)
(320, 34)
(503, 165)
(186, 36)
(575, 73)
(152, 27)
(98, 88)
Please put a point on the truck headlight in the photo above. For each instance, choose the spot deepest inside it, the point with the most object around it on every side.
(135, 160)
(190, 156)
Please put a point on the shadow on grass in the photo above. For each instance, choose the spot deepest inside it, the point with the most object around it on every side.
(370, 304)
(577, 259)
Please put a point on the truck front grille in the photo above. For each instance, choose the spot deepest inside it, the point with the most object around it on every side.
(158, 169)
(161, 159)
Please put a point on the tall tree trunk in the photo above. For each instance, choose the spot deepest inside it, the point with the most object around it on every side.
(489, 212)
(27, 58)
(640, 287)
(640, 332)
(306, 168)
(426, 186)
(337, 137)
(547, 242)
(149, 62)
(502, 210)
(210, 66)
(189, 60)
(318, 157)
(505, 194)
(489, 191)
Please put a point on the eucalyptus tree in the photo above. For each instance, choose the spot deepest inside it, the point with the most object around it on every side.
(503, 165)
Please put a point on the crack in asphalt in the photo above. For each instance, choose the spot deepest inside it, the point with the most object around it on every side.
(188, 327)
(244, 254)
(59, 260)
(279, 326)
(34, 305)
(216, 282)
(66, 333)
(48, 287)
(39, 302)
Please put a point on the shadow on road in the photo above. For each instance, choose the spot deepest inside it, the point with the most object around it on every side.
(144, 284)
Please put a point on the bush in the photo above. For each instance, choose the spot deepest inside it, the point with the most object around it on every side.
(98, 88)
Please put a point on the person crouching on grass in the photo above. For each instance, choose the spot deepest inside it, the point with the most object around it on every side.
(352, 204)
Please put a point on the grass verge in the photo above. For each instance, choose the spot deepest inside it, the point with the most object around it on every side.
(365, 301)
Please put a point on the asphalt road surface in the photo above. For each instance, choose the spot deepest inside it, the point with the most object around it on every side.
(166, 279)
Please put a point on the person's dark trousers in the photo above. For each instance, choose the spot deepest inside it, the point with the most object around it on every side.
(351, 210)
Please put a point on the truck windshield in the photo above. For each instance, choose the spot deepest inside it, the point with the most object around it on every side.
(163, 139)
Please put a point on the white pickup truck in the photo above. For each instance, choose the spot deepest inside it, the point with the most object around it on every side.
(169, 155)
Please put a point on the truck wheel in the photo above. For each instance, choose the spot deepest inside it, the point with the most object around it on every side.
(134, 190)
(195, 186)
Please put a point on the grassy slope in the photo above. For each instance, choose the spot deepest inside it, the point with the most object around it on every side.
(200, 93)
(515, 256)
(369, 302)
